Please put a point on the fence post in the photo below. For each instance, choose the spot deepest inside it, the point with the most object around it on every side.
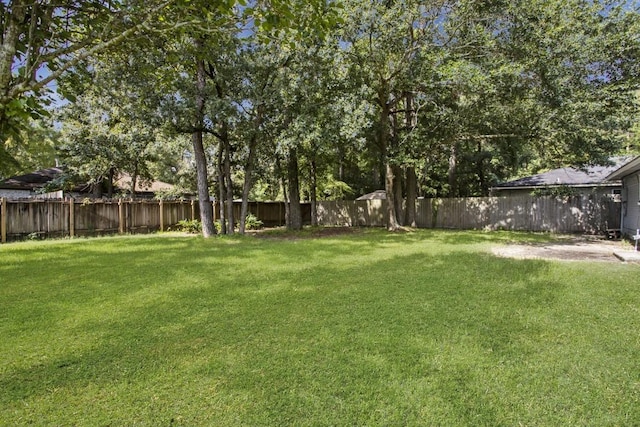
(72, 217)
(161, 215)
(120, 217)
(3, 220)
(193, 210)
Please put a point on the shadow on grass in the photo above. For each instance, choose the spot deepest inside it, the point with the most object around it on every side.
(287, 331)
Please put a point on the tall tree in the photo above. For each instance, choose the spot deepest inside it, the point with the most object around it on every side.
(384, 41)
(41, 41)
(493, 85)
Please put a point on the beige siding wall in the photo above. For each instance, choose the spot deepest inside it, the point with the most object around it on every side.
(630, 205)
(15, 194)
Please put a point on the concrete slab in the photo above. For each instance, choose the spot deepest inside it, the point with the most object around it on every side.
(627, 256)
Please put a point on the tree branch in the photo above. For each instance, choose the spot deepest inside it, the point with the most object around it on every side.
(37, 85)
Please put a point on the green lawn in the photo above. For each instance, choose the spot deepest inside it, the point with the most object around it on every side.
(371, 328)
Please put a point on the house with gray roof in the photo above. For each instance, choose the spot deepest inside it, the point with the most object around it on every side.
(591, 180)
(32, 185)
(629, 176)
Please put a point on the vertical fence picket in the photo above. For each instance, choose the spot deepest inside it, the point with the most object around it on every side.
(3, 220)
(72, 217)
(19, 218)
(526, 213)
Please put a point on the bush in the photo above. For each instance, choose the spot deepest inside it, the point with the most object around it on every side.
(189, 226)
(252, 222)
(195, 226)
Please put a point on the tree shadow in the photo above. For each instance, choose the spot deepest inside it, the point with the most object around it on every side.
(287, 326)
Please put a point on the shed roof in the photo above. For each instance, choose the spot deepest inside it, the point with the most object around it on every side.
(376, 195)
(571, 176)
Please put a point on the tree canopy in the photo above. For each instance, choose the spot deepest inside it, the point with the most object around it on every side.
(307, 100)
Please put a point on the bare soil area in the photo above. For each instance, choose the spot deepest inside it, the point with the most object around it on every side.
(569, 249)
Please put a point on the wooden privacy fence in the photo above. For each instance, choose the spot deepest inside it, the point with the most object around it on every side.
(42, 218)
(575, 214)
(60, 218)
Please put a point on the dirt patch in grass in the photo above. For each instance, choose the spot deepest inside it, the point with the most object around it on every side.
(566, 249)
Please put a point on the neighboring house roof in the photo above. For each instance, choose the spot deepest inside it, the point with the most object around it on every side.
(31, 181)
(142, 186)
(376, 195)
(36, 180)
(569, 176)
(624, 170)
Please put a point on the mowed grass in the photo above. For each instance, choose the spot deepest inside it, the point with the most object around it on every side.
(371, 328)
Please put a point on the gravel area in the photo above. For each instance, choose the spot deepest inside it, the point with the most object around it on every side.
(571, 249)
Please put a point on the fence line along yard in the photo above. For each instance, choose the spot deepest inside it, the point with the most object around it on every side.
(573, 214)
(42, 218)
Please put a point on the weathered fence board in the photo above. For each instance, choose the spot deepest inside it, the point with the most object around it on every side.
(272, 214)
(576, 214)
(95, 218)
(42, 218)
(35, 217)
(352, 213)
(57, 218)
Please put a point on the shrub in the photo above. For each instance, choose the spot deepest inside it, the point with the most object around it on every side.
(252, 222)
(189, 226)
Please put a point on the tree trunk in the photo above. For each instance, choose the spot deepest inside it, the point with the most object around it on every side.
(411, 179)
(394, 141)
(340, 163)
(283, 183)
(204, 200)
(314, 195)
(412, 185)
(451, 173)
(248, 170)
(484, 189)
(8, 48)
(383, 140)
(134, 180)
(392, 222)
(246, 188)
(97, 189)
(221, 189)
(229, 185)
(206, 210)
(295, 214)
(397, 196)
(110, 184)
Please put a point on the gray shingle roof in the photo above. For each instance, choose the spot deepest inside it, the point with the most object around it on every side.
(38, 179)
(591, 175)
(628, 168)
(31, 181)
